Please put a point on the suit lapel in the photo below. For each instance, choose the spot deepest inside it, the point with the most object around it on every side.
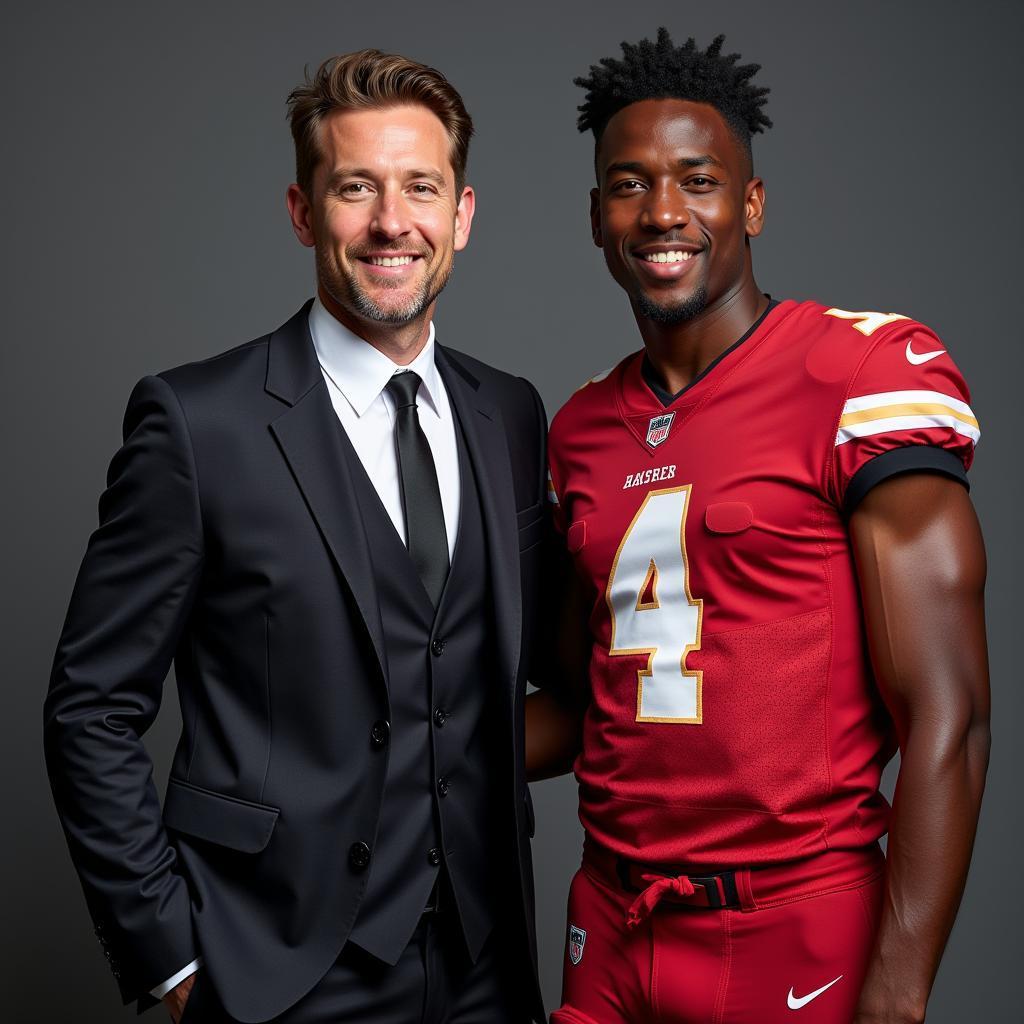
(484, 432)
(310, 439)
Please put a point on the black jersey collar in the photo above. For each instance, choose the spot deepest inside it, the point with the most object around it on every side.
(653, 381)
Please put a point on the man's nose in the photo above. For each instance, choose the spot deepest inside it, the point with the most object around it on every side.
(390, 215)
(665, 208)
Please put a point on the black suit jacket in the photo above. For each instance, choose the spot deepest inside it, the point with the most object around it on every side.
(230, 542)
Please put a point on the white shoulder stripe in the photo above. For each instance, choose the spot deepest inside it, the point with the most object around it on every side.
(883, 398)
(887, 411)
(886, 425)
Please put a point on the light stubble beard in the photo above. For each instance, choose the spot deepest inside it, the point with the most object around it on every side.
(347, 292)
(671, 314)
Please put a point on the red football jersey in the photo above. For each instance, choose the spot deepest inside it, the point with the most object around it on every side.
(734, 719)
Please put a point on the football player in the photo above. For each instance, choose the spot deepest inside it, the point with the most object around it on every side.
(777, 583)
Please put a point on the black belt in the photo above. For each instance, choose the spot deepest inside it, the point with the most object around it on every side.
(711, 890)
(716, 891)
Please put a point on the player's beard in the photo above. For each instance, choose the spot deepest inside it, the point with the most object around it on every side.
(671, 313)
(343, 287)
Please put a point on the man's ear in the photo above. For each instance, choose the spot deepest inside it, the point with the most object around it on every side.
(754, 205)
(464, 217)
(300, 211)
(595, 217)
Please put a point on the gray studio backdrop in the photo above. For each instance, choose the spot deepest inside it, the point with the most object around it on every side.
(144, 225)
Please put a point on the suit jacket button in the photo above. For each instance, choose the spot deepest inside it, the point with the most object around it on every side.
(359, 856)
(379, 734)
(434, 856)
(442, 786)
(440, 717)
(437, 647)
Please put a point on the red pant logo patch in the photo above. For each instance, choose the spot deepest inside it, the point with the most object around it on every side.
(577, 939)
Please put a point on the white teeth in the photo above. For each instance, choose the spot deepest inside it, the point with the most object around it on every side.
(667, 257)
(390, 261)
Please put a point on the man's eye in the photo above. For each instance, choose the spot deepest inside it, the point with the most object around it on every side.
(420, 189)
(355, 188)
(701, 181)
(629, 185)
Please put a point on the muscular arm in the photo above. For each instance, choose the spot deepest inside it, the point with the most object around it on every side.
(921, 566)
(552, 736)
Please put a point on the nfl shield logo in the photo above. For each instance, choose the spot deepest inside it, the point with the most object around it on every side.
(577, 937)
(659, 427)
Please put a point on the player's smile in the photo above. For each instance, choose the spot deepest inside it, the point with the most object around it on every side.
(666, 261)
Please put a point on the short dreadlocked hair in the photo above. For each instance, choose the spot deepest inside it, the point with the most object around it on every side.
(661, 70)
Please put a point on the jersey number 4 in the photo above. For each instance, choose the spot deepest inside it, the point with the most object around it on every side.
(652, 611)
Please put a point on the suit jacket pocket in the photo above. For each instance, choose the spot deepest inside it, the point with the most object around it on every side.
(224, 820)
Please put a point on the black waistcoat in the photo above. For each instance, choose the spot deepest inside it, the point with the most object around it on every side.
(443, 747)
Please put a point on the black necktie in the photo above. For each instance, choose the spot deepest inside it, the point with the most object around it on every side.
(421, 497)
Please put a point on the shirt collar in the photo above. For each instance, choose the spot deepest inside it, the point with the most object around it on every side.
(360, 371)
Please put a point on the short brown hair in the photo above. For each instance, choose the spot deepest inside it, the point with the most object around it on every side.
(365, 80)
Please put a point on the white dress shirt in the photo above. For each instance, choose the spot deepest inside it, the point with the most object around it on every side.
(356, 374)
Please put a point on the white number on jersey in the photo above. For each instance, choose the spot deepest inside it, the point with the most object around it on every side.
(652, 611)
(866, 323)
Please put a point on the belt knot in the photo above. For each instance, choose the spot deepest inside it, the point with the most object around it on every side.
(652, 895)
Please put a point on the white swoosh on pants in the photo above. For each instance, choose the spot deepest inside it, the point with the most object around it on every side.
(795, 1004)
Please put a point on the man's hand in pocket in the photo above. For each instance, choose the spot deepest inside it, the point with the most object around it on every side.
(176, 999)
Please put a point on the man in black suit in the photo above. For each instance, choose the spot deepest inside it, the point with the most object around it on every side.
(334, 533)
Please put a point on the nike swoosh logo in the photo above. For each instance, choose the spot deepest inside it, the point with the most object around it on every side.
(917, 360)
(796, 1004)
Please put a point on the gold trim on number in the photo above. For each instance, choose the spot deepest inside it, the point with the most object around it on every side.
(650, 579)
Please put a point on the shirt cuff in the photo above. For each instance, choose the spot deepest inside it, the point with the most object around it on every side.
(176, 979)
(912, 459)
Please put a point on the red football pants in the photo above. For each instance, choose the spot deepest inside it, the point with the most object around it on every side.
(794, 951)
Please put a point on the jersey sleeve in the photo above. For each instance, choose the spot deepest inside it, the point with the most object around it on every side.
(907, 409)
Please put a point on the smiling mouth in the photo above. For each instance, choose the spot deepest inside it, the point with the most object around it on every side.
(388, 261)
(677, 256)
(665, 266)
